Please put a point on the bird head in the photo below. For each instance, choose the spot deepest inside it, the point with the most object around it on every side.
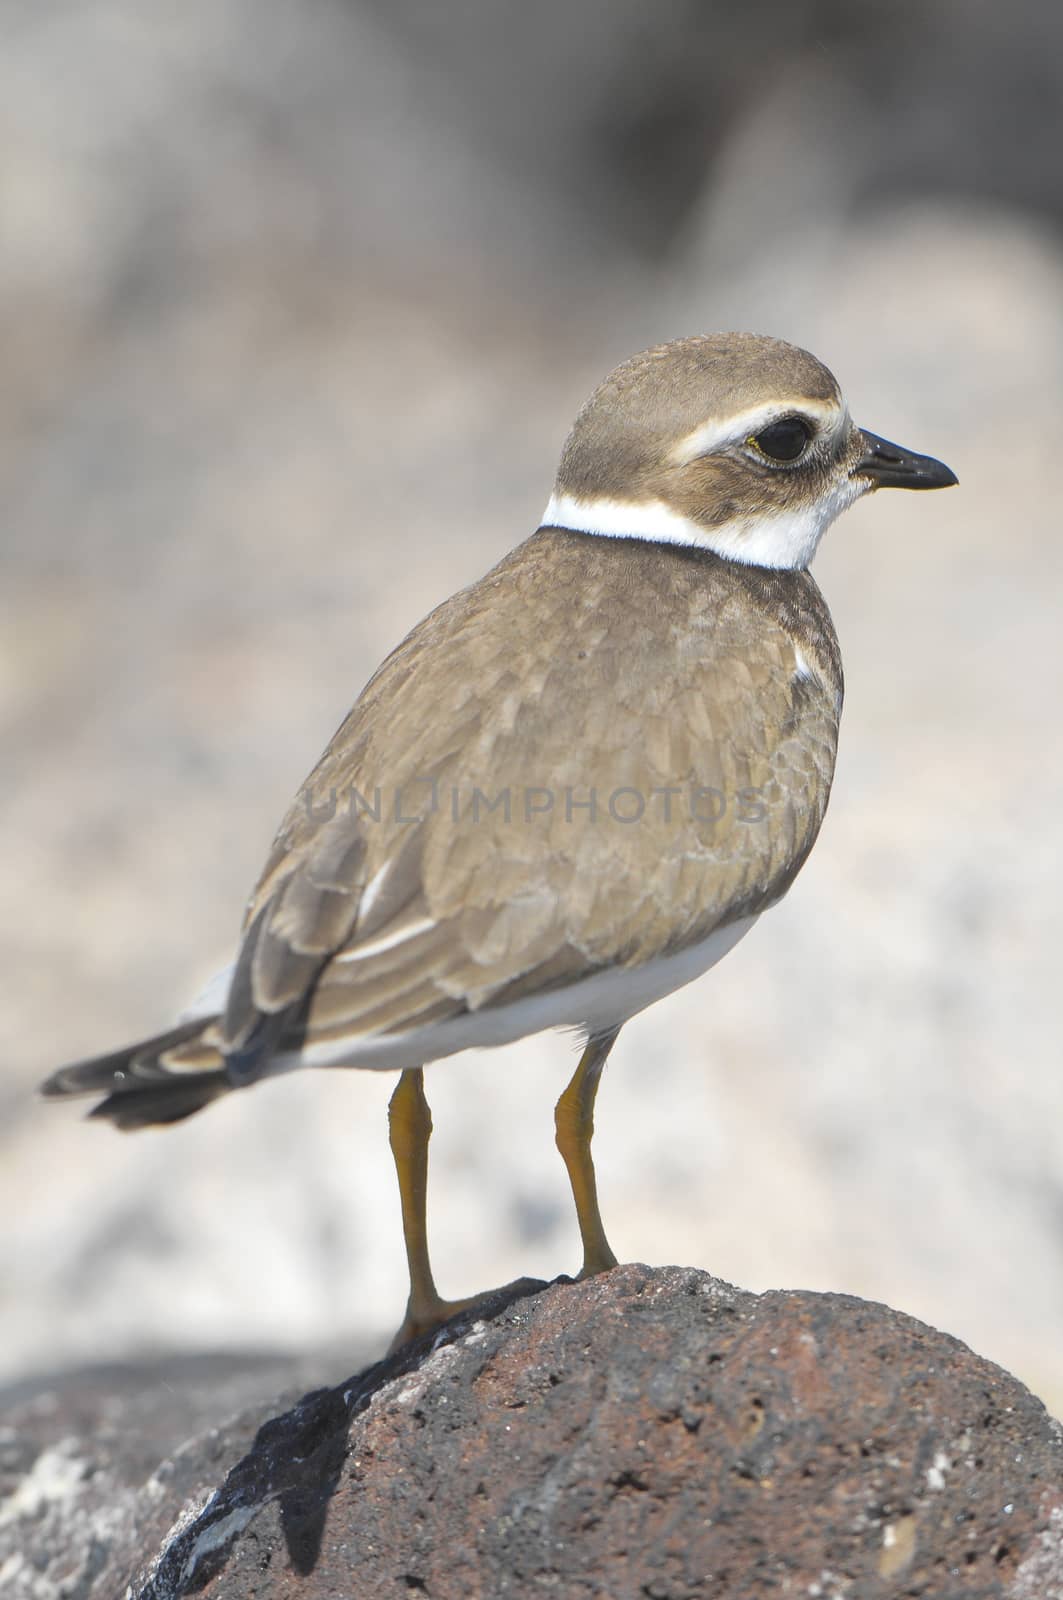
(734, 443)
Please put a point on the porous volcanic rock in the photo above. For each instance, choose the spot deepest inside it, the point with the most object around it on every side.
(650, 1433)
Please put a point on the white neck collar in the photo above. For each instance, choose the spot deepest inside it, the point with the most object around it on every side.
(783, 539)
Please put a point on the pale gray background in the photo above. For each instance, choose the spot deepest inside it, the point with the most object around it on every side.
(297, 300)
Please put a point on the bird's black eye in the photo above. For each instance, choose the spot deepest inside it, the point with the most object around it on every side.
(783, 440)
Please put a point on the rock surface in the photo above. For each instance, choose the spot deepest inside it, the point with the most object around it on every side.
(93, 1463)
(649, 1433)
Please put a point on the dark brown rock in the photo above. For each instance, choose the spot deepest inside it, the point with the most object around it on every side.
(95, 1464)
(650, 1433)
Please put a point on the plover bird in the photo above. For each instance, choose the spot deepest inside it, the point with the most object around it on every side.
(573, 787)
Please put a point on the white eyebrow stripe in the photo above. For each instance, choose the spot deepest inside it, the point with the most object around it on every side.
(716, 432)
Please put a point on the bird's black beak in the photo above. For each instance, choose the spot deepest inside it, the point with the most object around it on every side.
(890, 466)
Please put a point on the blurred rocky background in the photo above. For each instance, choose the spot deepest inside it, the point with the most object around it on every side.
(297, 301)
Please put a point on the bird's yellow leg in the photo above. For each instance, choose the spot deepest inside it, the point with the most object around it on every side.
(574, 1124)
(410, 1128)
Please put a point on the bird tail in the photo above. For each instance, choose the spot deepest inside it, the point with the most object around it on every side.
(153, 1082)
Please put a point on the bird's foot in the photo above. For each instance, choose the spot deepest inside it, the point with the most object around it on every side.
(595, 1260)
(425, 1315)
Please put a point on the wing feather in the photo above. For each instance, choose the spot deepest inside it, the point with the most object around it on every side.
(516, 876)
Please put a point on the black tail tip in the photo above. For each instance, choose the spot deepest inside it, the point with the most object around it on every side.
(161, 1104)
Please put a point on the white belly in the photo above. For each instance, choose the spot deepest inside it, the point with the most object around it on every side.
(593, 1005)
